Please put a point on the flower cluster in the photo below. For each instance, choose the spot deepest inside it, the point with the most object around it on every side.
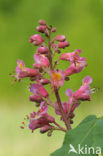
(43, 65)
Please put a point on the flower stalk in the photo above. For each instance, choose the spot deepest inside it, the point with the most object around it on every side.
(61, 109)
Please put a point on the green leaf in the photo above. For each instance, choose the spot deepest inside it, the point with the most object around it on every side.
(89, 133)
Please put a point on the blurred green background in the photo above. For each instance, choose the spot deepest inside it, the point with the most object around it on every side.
(82, 23)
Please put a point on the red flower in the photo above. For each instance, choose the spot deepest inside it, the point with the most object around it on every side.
(41, 60)
(39, 89)
(22, 71)
(41, 119)
(36, 40)
(57, 78)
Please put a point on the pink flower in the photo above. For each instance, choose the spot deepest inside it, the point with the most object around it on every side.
(44, 81)
(39, 89)
(41, 118)
(43, 113)
(63, 44)
(41, 28)
(22, 71)
(57, 78)
(36, 40)
(83, 93)
(45, 128)
(36, 98)
(37, 66)
(76, 67)
(60, 38)
(42, 50)
(42, 22)
(72, 100)
(72, 57)
(41, 60)
(77, 63)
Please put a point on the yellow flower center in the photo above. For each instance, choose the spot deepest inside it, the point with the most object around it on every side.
(21, 67)
(76, 53)
(56, 76)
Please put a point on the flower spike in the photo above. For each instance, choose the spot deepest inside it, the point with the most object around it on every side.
(47, 72)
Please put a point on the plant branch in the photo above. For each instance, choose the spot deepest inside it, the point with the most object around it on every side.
(61, 108)
(61, 128)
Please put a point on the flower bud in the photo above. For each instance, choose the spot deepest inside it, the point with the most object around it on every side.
(21, 127)
(67, 78)
(35, 98)
(42, 22)
(42, 50)
(63, 44)
(44, 81)
(39, 89)
(54, 45)
(37, 66)
(45, 128)
(60, 38)
(58, 51)
(41, 28)
(36, 39)
(53, 30)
